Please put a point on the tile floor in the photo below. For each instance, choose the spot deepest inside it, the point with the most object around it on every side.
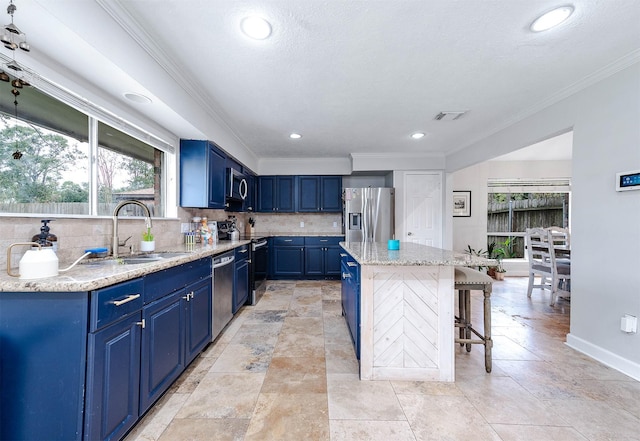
(285, 370)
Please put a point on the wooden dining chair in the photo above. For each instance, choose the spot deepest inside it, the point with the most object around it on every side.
(542, 263)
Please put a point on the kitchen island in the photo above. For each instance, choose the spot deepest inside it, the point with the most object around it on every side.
(406, 320)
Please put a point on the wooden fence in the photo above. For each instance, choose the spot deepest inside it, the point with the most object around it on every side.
(71, 208)
(517, 216)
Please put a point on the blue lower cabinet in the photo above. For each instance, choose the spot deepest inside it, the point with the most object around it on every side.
(322, 257)
(198, 325)
(351, 300)
(241, 281)
(43, 343)
(113, 379)
(162, 347)
(314, 257)
(332, 261)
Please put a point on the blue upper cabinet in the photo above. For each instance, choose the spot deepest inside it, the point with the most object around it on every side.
(202, 174)
(276, 194)
(319, 194)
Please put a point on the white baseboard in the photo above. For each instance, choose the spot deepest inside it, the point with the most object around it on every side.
(604, 356)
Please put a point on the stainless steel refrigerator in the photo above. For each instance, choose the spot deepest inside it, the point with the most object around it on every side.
(368, 214)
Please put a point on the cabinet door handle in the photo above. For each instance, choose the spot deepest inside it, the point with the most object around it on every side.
(189, 296)
(343, 255)
(243, 251)
(288, 240)
(324, 240)
(352, 264)
(127, 299)
(141, 324)
(346, 275)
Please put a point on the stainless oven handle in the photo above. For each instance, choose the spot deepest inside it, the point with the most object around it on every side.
(259, 244)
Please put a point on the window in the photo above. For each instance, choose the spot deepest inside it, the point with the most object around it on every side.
(514, 206)
(46, 157)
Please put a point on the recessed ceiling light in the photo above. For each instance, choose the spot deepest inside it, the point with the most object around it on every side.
(137, 98)
(295, 136)
(255, 27)
(551, 19)
(417, 135)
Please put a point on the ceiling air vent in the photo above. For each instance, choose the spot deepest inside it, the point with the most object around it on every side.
(449, 115)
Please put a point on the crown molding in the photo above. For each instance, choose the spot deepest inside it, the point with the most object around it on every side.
(605, 72)
(120, 14)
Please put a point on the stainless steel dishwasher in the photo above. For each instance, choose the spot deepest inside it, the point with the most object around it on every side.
(222, 292)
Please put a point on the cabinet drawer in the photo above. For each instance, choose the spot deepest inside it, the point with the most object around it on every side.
(323, 240)
(288, 241)
(161, 283)
(114, 302)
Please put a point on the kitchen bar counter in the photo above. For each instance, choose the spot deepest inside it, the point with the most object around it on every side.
(91, 274)
(409, 254)
(406, 310)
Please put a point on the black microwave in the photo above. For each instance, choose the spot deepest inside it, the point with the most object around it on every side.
(237, 186)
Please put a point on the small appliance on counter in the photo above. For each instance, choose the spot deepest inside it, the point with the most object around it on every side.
(224, 229)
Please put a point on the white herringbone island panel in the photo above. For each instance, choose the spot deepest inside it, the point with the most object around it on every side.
(407, 326)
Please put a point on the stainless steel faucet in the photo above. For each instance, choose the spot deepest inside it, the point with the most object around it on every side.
(116, 241)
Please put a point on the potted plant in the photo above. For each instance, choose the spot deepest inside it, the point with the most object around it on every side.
(498, 252)
(147, 243)
(477, 253)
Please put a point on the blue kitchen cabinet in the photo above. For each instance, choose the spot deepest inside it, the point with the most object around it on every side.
(332, 259)
(241, 281)
(287, 257)
(43, 341)
(199, 309)
(314, 261)
(162, 347)
(113, 379)
(350, 293)
(331, 192)
(202, 174)
(319, 194)
(277, 194)
(78, 365)
(113, 372)
(322, 257)
(167, 344)
(249, 204)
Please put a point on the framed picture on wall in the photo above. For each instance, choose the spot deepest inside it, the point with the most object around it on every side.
(461, 204)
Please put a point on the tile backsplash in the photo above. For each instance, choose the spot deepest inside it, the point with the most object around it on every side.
(77, 234)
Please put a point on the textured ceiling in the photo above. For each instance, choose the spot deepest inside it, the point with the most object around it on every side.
(350, 76)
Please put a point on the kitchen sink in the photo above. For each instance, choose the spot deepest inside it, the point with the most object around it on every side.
(136, 259)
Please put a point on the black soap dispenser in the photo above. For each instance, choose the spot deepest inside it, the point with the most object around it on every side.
(46, 238)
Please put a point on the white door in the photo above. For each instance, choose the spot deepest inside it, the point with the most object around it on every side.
(423, 208)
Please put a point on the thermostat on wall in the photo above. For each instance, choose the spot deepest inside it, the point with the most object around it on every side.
(628, 181)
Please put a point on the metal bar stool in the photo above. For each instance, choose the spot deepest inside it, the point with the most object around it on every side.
(466, 280)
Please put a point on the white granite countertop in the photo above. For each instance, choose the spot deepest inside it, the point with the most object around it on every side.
(89, 275)
(409, 254)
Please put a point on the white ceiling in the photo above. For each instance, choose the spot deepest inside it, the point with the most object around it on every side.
(350, 76)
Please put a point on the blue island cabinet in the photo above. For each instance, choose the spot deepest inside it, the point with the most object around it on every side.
(351, 298)
(43, 341)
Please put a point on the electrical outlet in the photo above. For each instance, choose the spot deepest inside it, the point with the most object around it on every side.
(629, 324)
(335, 225)
(301, 224)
